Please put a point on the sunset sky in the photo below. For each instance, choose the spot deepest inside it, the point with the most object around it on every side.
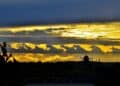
(63, 42)
(47, 28)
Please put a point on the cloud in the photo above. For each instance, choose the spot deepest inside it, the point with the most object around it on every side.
(62, 48)
(58, 40)
(114, 50)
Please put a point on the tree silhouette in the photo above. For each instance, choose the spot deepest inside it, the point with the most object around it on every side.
(4, 56)
(86, 59)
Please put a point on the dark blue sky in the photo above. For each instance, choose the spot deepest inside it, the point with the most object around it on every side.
(25, 11)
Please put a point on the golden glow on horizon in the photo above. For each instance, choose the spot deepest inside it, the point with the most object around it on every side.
(29, 57)
(37, 57)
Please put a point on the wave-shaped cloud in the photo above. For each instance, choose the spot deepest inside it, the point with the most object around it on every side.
(74, 48)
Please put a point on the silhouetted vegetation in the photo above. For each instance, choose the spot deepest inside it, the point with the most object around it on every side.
(86, 59)
(4, 54)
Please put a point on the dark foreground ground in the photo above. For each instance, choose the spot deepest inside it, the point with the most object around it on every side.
(100, 74)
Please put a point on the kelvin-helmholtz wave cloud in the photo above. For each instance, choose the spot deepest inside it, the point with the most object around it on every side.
(47, 11)
(63, 48)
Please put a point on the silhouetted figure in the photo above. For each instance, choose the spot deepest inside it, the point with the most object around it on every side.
(86, 59)
(2, 59)
(4, 49)
(4, 56)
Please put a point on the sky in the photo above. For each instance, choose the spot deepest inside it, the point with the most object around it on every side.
(102, 37)
(97, 37)
(38, 11)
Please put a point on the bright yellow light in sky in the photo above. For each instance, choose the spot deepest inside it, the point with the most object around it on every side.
(87, 47)
(30, 45)
(85, 30)
(31, 57)
(69, 45)
(103, 31)
(32, 28)
(104, 48)
(43, 46)
(117, 47)
(16, 45)
(57, 46)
